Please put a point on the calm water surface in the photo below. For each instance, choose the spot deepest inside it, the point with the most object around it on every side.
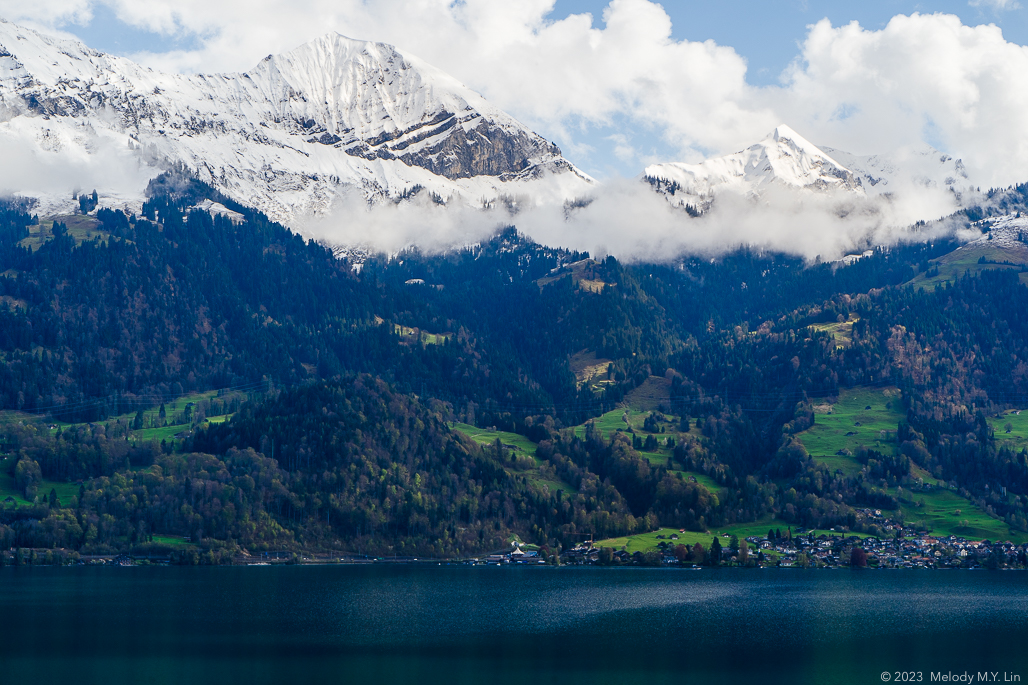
(449, 624)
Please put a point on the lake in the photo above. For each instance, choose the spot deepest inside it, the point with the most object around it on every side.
(459, 624)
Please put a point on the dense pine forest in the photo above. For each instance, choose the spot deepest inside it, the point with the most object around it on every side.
(361, 372)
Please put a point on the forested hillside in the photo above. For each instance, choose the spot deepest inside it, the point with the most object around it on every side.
(365, 368)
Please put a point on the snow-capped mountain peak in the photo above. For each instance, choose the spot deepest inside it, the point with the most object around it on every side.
(783, 157)
(794, 160)
(328, 119)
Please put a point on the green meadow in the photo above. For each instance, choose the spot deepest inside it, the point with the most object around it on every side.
(174, 410)
(8, 488)
(965, 260)
(944, 512)
(841, 331)
(484, 436)
(80, 227)
(849, 423)
(613, 421)
(648, 542)
(1017, 420)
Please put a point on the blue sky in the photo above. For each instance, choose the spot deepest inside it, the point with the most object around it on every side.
(618, 124)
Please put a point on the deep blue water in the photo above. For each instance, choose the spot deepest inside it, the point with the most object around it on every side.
(453, 624)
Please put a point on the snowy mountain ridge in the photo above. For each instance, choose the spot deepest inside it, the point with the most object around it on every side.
(921, 166)
(786, 159)
(783, 157)
(332, 118)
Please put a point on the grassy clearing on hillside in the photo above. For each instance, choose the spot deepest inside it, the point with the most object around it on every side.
(484, 436)
(172, 540)
(1017, 438)
(172, 432)
(848, 423)
(8, 488)
(584, 275)
(835, 430)
(80, 227)
(540, 474)
(705, 481)
(950, 267)
(608, 423)
(416, 335)
(614, 420)
(590, 370)
(946, 513)
(841, 331)
(65, 491)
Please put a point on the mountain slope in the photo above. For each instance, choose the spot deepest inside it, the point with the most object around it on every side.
(300, 130)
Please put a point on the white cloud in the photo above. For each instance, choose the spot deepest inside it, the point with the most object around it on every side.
(49, 162)
(47, 13)
(627, 219)
(921, 78)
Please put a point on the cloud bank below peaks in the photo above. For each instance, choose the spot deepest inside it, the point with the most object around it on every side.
(628, 219)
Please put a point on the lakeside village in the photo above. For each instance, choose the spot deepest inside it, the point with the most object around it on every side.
(908, 548)
(799, 549)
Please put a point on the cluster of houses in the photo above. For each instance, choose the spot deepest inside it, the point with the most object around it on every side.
(517, 555)
(904, 548)
(920, 551)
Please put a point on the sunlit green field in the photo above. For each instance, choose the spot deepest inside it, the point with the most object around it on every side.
(170, 432)
(848, 423)
(1017, 419)
(485, 436)
(610, 422)
(835, 430)
(647, 542)
(946, 513)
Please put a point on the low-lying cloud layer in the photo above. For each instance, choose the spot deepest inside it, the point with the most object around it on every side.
(627, 219)
(50, 165)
